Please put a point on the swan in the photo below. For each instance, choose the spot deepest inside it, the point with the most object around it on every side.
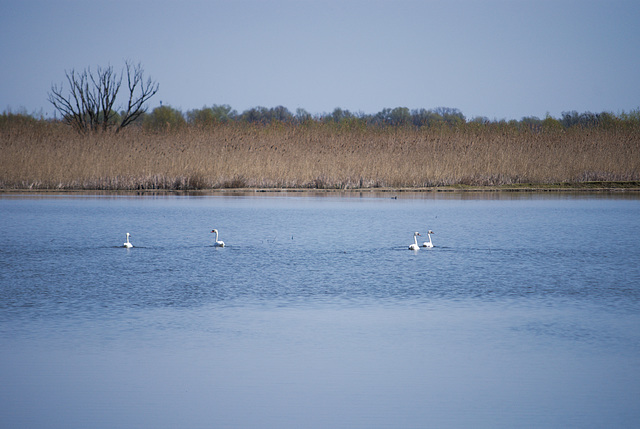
(126, 243)
(428, 243)
(218, 243)
(414, 246)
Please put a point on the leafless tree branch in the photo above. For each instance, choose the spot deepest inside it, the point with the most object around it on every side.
(135, 106)
(92, 97)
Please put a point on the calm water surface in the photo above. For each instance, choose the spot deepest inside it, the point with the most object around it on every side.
(316, 314)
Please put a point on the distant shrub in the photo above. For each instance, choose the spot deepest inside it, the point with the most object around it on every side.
(164, 118)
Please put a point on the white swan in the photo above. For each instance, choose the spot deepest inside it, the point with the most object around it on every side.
(428, 243)
(218, 243)
(414, 246)
(126, 243)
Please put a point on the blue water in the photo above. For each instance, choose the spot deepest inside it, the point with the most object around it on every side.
(316, 314)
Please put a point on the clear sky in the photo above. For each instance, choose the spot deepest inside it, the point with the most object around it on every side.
(499, 59)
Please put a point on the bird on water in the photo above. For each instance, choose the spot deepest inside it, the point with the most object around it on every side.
(218, 243)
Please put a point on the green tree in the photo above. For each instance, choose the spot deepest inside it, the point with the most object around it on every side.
(424, 117)
(201, 117)
(256, 115)
(164, 118)
(302, 115)
(450, 115)
(550, 124)
(400, 116)
(280, 113)
(223, 113)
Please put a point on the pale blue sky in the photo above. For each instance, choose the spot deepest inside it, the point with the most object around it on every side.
(500, 59)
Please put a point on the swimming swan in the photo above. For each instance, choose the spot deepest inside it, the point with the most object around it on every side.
(218, 243)
(126, 243)
(414, 246)
(428, 243)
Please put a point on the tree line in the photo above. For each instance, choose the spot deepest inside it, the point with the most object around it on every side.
(89, 104)
(167, 118)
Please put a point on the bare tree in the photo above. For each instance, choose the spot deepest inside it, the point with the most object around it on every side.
(139, 92)
(92, 96)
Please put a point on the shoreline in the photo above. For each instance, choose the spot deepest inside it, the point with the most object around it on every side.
(582, 187)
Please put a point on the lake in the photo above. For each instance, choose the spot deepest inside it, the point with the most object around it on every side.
(526, 313)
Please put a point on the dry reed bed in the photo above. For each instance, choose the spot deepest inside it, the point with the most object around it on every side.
(52, 156)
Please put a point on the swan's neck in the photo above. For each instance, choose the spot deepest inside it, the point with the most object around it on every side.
(216, 235)
(415, 240)
(429, 238)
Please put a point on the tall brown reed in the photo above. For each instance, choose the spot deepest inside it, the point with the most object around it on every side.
(316, 155)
